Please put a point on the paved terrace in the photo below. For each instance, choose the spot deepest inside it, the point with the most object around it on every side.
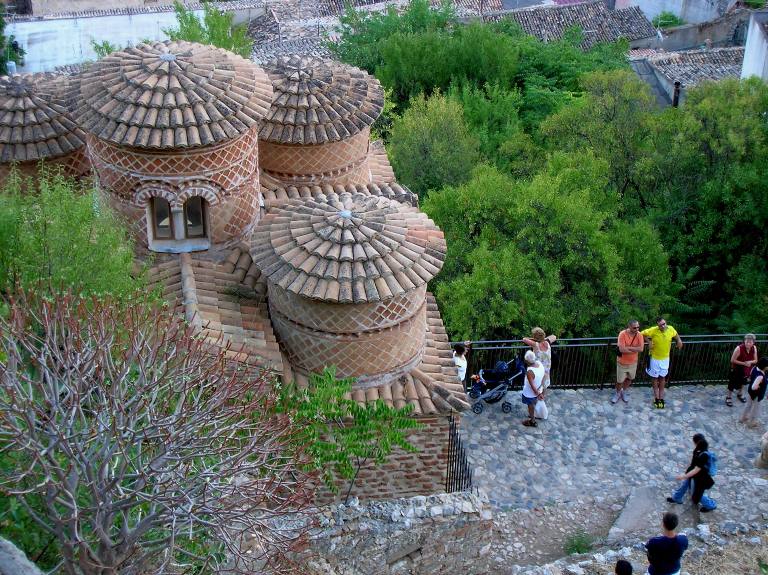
(589, 447)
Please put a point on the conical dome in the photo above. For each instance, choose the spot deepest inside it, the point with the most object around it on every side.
(172, 95)
(318, 101)
(348, 248)
(35, 123)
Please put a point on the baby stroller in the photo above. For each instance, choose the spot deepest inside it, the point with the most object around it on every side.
(491, 385)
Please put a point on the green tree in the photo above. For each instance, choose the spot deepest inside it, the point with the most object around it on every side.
(340, 435)
(431, 145)
(611, 119)
(543, 252)
(361, 32)
(62, 236)
(216, 28)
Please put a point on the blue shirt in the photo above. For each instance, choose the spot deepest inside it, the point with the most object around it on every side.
(664, 554)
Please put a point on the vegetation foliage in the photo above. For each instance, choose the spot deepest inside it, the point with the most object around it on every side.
(568, 197)
(340, 435)
(215, 27)
(667, 19)
(55, 233)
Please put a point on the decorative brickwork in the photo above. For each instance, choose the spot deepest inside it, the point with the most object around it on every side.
(344, 162)
(372, 356)
(350, 318)
(225, 175)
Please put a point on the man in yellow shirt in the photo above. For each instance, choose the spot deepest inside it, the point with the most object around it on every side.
(660, 338)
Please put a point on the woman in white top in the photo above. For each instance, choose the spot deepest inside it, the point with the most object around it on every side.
(460, 358)
(541, 344)
(533, 390)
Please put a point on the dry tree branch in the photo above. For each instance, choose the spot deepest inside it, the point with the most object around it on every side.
(147, 445)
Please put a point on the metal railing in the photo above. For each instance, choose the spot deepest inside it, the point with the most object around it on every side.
(458, 476)
(591, 362)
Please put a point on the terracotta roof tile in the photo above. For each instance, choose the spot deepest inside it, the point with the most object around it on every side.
(35, 122)
(349, 240)
(172, 95)
(278, 196)
(695, 66)
(597, 21)
(318, 101)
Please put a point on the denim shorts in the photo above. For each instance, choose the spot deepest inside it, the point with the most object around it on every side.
(530, 400)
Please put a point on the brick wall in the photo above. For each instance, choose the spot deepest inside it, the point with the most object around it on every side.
(75, 164)
(225, 175)
(403, 474)
(344, 162)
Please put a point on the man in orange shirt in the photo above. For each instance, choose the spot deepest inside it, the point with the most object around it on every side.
(629, 344)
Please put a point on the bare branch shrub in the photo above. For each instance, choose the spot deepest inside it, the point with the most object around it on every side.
(141, 448)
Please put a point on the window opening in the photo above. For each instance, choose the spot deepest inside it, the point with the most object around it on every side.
(194, 217)
(162, 220)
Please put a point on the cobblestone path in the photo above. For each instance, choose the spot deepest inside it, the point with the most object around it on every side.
(589, 447)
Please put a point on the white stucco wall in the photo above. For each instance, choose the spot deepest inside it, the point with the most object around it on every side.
(60, 41)
(692, 11)
(756, 49)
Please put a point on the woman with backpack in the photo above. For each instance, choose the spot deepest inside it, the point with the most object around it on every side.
(698, 476)
(756, 392)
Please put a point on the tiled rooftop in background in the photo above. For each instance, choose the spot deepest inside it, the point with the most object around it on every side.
(696, 66)
(166, 7)
(598, 23)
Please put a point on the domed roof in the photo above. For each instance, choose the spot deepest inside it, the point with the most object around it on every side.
(318, 101)
(34, 121)
(348, 248)
(172, 95)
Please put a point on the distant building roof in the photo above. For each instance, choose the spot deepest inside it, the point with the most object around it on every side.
(35, 122)
(318, 101)
(597, 21)
(172, 95)
(695, 66)
(348, 248)
(130, 10)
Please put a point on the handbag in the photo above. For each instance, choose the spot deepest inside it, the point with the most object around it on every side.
(541, 411)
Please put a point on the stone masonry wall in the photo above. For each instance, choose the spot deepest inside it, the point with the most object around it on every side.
(446, 533)
(403, 474)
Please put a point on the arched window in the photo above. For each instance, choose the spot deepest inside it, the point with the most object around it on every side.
(195, 217)
(162, 219)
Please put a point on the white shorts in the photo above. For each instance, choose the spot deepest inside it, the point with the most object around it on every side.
(658, 367)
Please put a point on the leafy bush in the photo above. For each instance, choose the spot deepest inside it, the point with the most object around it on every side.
(60, 234)
(431, 145)
(215, 28)
(667, 19)
(579, 542)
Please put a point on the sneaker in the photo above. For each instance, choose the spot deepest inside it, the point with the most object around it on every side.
(706, 509)
(661, 404)
(625, 396)
(671, 500)
(615, 397)
(656, 404)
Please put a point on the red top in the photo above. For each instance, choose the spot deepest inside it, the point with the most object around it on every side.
(745, 355)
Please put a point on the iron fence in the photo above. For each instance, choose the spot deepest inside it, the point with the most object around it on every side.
(591, 362)
(458, 476)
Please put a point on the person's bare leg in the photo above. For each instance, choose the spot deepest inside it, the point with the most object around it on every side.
(655, 383)
(662, 382)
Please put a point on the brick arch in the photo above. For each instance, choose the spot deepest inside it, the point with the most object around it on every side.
(149, 190)
(209, 191)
